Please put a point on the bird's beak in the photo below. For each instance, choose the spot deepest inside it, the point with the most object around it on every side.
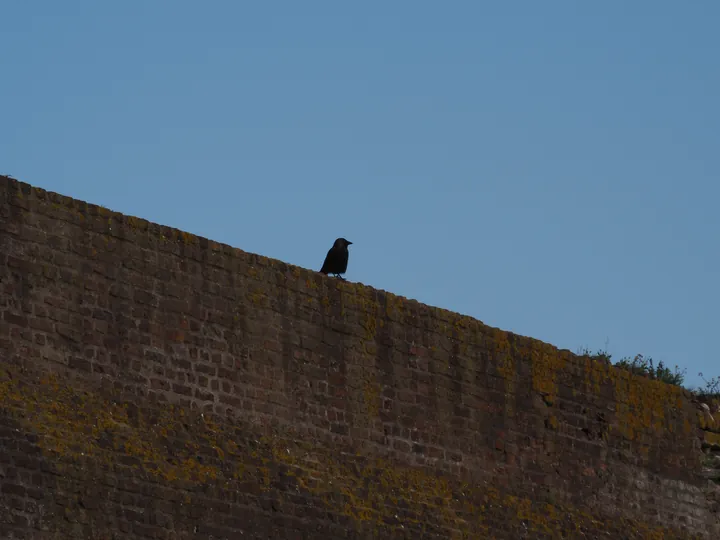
(349, 242)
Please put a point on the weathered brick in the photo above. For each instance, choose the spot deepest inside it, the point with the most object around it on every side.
(167, 386)
(12, 489)
(80, 364)
(13, 318)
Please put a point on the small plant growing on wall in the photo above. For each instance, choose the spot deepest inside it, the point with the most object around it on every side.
(641, 365)
(646, 367)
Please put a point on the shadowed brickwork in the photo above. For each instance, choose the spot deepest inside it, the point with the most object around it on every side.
(154, 384)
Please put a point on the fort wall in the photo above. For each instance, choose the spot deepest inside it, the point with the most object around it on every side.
(155, 384)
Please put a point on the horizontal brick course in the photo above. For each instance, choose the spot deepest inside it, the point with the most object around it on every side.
(155, 384)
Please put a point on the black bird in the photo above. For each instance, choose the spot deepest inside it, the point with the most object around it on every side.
(336, 260)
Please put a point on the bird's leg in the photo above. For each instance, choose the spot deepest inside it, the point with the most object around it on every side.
(339, 277)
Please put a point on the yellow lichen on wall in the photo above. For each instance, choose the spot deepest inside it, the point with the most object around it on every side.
(257, 296)
(596, 375)
(641, 403)
(360, 297)
(187, 238)
(395, 307)
(506, 366)
(71, 425)
(138, 223)
(310, 284)
(547, 363)
(711, 438)
(708, 421)
(371, 393)
(369, 324)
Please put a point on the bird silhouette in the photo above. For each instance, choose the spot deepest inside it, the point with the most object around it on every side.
(336, 260)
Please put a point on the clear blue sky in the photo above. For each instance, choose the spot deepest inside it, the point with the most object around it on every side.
(550, 168)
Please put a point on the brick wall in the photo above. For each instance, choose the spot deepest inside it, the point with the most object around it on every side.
(155, 384)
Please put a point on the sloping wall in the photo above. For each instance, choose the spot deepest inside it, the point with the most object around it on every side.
(154, 384)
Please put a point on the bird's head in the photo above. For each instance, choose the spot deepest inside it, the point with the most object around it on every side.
(341, 242)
